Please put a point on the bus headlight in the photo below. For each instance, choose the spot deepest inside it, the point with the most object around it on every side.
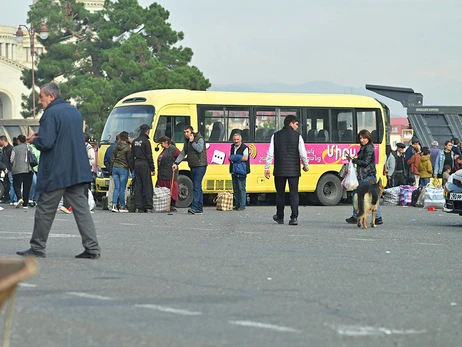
(99, 172)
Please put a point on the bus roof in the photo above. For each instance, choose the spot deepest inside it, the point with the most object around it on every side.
(175, 96)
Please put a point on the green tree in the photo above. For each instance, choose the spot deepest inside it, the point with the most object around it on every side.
(99, 58)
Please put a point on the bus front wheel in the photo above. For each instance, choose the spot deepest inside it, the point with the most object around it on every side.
(185, 191)
(329, 190)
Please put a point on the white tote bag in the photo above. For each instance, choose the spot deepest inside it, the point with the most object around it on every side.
(350, 181)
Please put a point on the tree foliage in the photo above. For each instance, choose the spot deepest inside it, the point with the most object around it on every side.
(99, 58)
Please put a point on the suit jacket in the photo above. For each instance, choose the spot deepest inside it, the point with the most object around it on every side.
(63, 158)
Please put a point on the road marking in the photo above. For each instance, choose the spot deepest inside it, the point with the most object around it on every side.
(357, 331)
(89, 296)
(23, 234)
(27, 285)
(429, 244)
(358, 239)
(170, 310)
(246, 323)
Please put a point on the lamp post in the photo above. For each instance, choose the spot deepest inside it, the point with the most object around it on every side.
(43, 32)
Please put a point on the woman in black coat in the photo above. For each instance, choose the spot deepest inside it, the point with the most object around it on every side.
(365, 169)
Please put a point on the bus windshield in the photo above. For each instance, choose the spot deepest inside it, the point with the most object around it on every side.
(127, 118)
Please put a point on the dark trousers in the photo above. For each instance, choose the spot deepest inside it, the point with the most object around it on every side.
(280, 184)
(143, 186)
(197, 175)
(46, 212)
(23, 180)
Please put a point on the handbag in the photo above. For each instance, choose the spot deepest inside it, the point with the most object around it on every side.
(224, 201)
(350, 182)
(31, 158)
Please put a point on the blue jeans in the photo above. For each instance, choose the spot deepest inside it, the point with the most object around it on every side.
(197, 174)
(424, 181)
(366, 181)
(120, 176)
(240, 194)
(34, 196)
(13, 197)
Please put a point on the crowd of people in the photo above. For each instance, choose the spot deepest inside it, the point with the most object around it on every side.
(416, 165)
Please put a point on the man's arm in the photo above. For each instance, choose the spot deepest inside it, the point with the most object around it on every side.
(46, 138)
(303, 154)
(269, 157)
(199, 145)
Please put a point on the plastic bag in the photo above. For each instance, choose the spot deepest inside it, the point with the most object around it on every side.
(350, 182)
(91, 200)
(434, 197)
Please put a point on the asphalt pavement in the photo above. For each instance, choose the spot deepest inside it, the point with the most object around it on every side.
(239, 279)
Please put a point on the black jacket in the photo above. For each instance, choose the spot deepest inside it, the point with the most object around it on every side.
(286, 154)
(141, 152)
(7, 156)
(365, 162)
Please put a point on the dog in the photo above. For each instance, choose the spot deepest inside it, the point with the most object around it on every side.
(366, 199)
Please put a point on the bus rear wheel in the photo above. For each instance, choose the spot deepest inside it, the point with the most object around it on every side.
(329, 190)
(185, 191)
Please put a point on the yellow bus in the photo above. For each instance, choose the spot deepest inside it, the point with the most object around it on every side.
(328, 123)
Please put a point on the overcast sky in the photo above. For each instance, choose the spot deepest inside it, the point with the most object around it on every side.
(404, 43)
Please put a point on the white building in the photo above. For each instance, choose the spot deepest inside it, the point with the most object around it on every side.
(14, 57)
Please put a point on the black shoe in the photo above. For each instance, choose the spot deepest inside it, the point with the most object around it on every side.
(31, 253)
(241, 208)
(235, 208)
(86, 255)
(198, 212)
(278, 220)
(352, 220)
(378, 221)
(149, 210)
(139, 210)
(191, 211)
(173, 209)
(293, 221)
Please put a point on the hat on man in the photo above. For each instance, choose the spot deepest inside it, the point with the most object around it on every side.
(144, 128)
(400, 145)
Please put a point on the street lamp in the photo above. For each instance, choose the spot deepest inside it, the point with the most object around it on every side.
(43, 32)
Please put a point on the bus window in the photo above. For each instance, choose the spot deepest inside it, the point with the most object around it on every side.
(221, 123)
(126, 118)
(238, 118)
(171, 126)
(342, 126)
(265, 123)
(367, 119)
(318, 119)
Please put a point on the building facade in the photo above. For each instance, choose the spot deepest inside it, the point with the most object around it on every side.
(14, 57)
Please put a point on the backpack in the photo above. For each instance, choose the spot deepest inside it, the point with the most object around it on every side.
(415, 196)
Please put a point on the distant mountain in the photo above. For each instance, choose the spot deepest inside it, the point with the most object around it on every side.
(315, 87)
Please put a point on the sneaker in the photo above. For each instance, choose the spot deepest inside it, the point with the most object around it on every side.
(12, 203)
(149, 210)
(19, 203)
(32, 204)
(25, 207)
(114, 209)
(235, 208)
(139, 210)
(191, 211)
(65, 210)
(123, 209)
(378, 221)
(240, 208)
(352, 220)
(278, 220)
(173, 209)
(293, 221)
(198, 212)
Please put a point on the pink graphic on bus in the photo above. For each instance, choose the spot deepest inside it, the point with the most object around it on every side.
(218, 153)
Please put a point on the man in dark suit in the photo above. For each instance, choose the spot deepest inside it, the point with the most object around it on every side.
(64, 171)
